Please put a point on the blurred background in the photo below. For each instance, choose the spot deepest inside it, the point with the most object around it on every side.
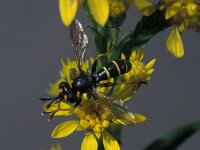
(32, 42)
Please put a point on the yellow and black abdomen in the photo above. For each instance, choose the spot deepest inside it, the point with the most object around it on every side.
(113, 69)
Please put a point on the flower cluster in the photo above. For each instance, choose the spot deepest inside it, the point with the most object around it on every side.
(99, 10)
(139, 72)
(92, 115)
(102, 105)
(183, 14)
(117, 7)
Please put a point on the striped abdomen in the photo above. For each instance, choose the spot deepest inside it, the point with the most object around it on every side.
(113, 69)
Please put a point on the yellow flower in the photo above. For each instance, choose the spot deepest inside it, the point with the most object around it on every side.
(139, 73)
(146, 7)
(184, 14)
(117, 7)
(91, 115)
(58, 109)
(68, 72)
(99, 10)
(174, 43)
(95, 118)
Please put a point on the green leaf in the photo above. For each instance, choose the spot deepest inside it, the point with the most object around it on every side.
(102, 35)
(174, 138)
(145, 30)
(116, 22)
(115, 130)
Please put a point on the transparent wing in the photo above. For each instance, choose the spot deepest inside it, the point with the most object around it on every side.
(117, 107)
(79, 42)
(128, 89)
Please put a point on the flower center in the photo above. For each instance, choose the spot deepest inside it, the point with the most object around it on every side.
(117, 7)
(93, 116)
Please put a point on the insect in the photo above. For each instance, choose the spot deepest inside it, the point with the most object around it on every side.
(89, 82)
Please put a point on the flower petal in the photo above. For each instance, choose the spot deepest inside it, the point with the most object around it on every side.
(149, 72)
(139, 118)
(144, 6)
(68, 9)
(123, 56)
(89, 142)
(172, 10)
(150, 64)
(109, 142)
(54, 88)
(140, 54)
(174, 43)
(99, 10)
(133, 56)
(61, 108)
(64, 129)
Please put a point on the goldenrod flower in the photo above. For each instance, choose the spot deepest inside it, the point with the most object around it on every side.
(91, 115)
(99, 10)
(95, 118)
(117, 7)
(184, 14)
(139, 73)
(146, 7)
(68, 72)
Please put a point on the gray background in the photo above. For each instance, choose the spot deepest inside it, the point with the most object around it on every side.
(32, 42)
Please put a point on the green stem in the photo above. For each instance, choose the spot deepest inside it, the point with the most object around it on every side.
(112, 51)
(101, 35)
(116, 36)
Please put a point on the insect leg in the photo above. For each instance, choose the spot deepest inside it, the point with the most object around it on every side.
(49, 105)
(52, 113)
(118, 83)
(49, 99)
(95, 61)
(78, 101)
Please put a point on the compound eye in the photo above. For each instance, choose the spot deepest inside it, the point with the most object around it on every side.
(63, 85)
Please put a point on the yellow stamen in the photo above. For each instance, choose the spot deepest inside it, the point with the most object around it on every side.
(98, 128)
(84, 123)
(105, 123)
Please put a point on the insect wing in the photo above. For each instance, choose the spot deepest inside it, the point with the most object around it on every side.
(117, 107)
(79, 42)
(128, 88)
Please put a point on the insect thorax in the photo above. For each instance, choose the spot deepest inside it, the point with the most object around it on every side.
(82, 84)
